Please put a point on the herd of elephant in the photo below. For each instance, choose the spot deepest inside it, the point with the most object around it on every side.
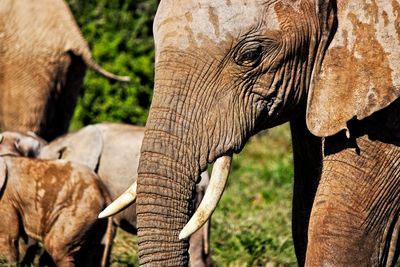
(224, 70)
(53, 193)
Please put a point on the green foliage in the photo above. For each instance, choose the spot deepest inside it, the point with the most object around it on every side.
(120, 36)
(124, 250)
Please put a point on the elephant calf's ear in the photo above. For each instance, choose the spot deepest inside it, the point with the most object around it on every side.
(359, 73)
(84, 147)
(3, 175)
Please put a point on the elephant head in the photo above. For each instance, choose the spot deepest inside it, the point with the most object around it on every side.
(227, 69)
(19, 144)
(43, 58)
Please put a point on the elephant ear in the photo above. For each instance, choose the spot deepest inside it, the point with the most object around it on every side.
(356, 73)
(83, 147)
(3, 175)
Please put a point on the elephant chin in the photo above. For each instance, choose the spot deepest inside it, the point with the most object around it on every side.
(219, 177)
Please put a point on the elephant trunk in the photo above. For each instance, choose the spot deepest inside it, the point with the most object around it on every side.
(178, 143)
(165, 193)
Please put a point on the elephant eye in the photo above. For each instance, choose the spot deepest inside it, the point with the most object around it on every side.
(249, 55)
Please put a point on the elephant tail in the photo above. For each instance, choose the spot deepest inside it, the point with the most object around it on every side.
(87, 58)
(109, 236)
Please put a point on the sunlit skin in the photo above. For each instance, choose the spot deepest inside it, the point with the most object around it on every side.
(56, 203)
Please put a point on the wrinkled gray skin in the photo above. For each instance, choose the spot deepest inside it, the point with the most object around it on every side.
(43, 58)
(113, 151)
(225, 69)
(53, 202)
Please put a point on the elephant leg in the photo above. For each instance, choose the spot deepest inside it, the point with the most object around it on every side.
(307, 157)
(355, 216)
(67, 261)
(46, 260)
(32, 247)
(81, 246)
(107, 242)
(62, 100)
(66, 237)
(199, 255)
(59, 252)
(199, 242)
(9, 231)
(91, 252)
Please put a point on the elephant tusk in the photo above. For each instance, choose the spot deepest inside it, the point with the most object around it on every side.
(123, 201)
(219, 177)
(206, 238)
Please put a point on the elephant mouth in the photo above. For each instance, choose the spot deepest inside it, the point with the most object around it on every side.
(213, 194)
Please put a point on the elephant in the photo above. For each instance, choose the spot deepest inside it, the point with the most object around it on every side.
(43, 59)
(112, 150)
(53, 202)
(21, 144)
(227, 69)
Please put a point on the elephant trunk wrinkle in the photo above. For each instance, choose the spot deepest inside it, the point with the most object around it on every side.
(165, 191)
(160, 218)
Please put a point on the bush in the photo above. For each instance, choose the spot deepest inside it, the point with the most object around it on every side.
(121, 39)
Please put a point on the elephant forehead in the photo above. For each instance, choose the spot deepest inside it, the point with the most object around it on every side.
(183, 24)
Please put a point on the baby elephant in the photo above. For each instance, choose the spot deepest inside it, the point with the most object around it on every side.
(55, 202)
(20, 144)
(113, 150)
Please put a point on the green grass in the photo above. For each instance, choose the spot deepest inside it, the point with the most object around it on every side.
(252, 224)
(124, 250)
(3, 262)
